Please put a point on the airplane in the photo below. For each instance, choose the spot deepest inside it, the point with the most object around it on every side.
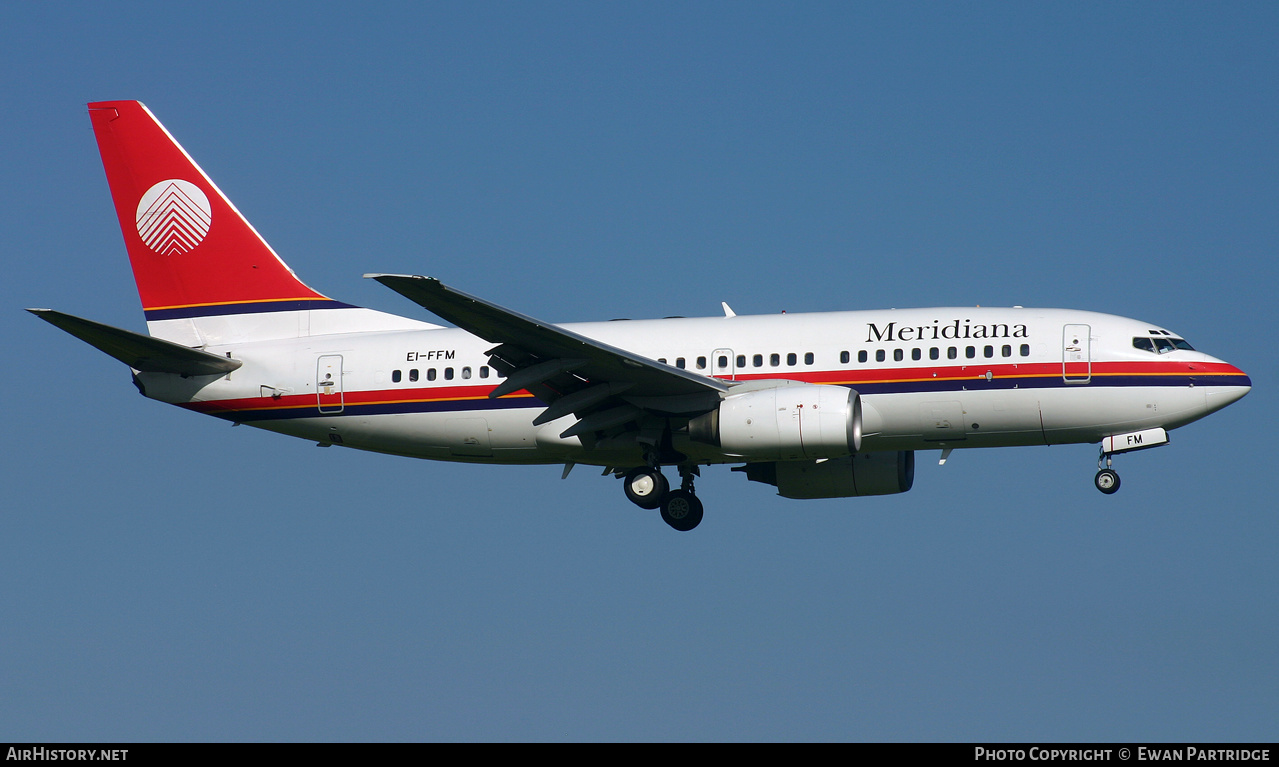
(818, 405)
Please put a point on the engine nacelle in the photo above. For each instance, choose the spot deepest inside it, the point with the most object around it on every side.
(881, 473)
(783, 421)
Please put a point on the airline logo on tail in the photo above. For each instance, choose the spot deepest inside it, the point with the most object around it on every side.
(173, 217)
(166, 206)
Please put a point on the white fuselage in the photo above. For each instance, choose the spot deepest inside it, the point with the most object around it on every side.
(928, 378)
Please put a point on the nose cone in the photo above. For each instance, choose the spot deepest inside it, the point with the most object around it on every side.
(1228, 384)
(1244, 380)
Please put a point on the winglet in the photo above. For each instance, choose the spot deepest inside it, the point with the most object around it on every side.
(728, 312)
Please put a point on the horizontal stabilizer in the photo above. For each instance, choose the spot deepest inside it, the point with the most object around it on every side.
(144, 353)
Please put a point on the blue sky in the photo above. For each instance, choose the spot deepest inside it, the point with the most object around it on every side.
(168, 577)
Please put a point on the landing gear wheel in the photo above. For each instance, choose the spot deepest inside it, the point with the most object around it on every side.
(645, 487)
(1107, 481)
(681, 510)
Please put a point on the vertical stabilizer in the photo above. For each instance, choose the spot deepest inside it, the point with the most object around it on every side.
(203, 272)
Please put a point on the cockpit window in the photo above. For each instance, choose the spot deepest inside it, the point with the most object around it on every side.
(1162, 343)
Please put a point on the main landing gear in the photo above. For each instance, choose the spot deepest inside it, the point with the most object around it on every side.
(1107, 479)
(647, 488)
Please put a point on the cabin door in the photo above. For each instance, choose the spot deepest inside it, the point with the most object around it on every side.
(1076, 354)
(328, 383)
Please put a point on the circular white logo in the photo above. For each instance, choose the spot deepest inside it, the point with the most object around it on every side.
(173, 217)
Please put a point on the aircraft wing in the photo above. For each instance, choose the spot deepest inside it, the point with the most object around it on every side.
(603, 385)
(151, 355)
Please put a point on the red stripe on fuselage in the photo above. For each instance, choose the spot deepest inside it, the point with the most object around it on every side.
(849, 377)
(352, 398)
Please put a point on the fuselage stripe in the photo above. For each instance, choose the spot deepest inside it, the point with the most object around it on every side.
(241, 307)
(462, 398)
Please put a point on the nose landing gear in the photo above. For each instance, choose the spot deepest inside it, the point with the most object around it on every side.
(1107, 479)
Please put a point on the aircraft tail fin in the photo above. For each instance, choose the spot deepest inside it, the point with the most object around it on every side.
(196, 260)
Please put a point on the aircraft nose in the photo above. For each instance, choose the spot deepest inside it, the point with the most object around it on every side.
(1231, 386)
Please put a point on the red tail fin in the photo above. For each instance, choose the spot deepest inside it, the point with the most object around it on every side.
(193, 254)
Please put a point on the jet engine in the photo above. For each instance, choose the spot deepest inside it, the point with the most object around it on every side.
(783, 421)
(882, 473)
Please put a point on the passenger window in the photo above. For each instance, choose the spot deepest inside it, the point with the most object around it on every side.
(413, 374)
(701, 363)
(1007, 350)
(1025, 350)
(898, 355)
(484, 371)
(951, 353)
(879, 355)
(934, 353)
(792, 359)
(808, 358)
(430, 374)
(774, 359)
(861, 356)
(395, 376)
(723, 361)
(741, 360)
(758, 359)
(916, 353)
(989, 352)
(448, 374)
(970, 352)
(843, 358)
(662, 360)
(466, 372)
(679, 362)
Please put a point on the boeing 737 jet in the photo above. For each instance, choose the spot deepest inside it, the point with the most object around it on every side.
(822, 405)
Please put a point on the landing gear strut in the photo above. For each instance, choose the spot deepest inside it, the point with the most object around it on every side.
(1107, 479)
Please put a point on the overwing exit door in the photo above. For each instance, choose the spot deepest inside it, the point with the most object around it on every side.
(722, 364)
